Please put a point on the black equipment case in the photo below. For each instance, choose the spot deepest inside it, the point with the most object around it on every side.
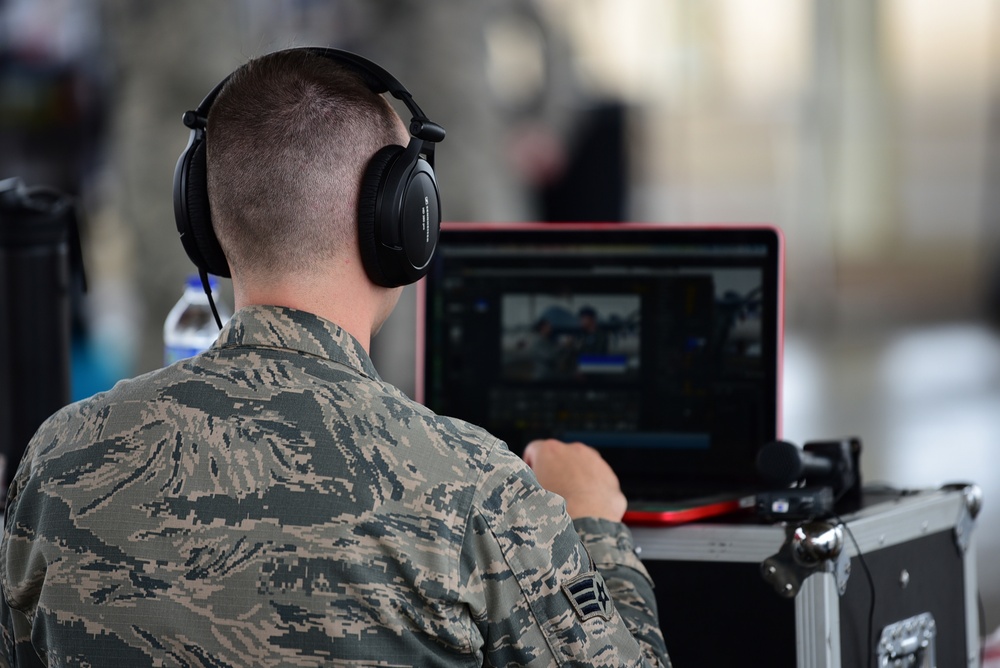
(892, 583)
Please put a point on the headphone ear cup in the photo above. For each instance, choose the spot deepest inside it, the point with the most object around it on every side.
(199, 215)
(368, 213)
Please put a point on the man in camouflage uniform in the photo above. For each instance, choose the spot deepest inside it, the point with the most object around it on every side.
(272, 501)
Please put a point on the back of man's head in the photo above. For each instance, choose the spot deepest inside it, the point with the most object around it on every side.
(288, 139)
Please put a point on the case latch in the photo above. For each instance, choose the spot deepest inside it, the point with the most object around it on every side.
(909, 642)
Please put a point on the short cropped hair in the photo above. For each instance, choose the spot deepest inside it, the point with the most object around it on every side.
(288, 139)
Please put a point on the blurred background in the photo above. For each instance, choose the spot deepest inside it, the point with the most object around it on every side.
(868, 130)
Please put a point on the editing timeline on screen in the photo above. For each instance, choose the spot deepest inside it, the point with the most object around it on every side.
(657, 345)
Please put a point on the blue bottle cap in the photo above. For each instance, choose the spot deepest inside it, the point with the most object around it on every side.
(194, 281)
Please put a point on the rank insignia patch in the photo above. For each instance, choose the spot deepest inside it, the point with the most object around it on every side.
(589, 596)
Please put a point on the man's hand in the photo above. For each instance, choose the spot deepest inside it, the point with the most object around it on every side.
(577, 473)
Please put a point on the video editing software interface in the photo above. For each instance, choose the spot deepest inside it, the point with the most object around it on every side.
(657, 347)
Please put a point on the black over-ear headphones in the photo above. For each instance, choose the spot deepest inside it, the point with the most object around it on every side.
(398, 206)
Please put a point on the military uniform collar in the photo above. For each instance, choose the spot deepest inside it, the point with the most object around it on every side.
(291, 329)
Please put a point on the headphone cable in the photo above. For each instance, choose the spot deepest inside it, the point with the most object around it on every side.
(871, 589)
(211, 301)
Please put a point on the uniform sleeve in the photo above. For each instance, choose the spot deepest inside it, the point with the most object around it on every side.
(537, 596)
(17, 651)
(20, 583)
(611, 547)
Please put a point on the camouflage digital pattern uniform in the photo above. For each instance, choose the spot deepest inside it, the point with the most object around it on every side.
(273, 502)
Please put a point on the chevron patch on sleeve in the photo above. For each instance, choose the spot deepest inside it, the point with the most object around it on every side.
(589, 596)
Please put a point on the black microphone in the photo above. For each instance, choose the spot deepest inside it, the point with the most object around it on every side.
(783, 463)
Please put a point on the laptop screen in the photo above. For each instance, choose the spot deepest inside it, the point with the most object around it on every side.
(658, 345)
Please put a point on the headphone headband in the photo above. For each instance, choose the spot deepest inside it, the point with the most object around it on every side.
(377, 79)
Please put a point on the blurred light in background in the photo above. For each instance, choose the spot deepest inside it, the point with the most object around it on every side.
(766, 52)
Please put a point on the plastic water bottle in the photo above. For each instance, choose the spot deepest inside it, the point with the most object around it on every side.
(190, 327)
